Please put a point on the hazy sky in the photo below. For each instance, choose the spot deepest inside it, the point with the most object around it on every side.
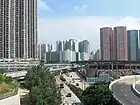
(81, 19)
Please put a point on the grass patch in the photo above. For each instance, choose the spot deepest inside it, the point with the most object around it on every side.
(8, 86)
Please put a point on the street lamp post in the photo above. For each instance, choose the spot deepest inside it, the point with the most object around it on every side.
(112, 66)
(117, 69)
(135, 74)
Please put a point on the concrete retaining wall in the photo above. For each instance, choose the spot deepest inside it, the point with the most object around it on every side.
(134, 90)
(14, 100)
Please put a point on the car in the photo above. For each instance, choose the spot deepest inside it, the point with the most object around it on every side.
(77, 84)
(61, 85)
(80, 80)
(68, 95)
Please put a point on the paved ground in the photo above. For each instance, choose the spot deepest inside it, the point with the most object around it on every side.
(64, 92)
(122, 91)
(73, 79)
(24, 98)
(138, 87)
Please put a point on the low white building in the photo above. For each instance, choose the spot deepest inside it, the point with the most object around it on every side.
(51, 57)
(84, 56)
(67, 56)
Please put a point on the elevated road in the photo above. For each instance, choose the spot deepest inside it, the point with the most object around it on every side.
(23, 72)
(24, 65)
(122, 91)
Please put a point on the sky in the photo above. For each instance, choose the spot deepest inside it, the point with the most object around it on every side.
(82, 19)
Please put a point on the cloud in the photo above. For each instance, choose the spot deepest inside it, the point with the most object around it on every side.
(80, 9)
(42, 5)
(83, 7)
(51, 30)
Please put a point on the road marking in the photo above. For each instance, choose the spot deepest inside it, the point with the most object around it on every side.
(133, 102)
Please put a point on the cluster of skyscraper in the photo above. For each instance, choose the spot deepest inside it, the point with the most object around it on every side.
(18, 29)
(119, 44)
(42, 49)
(69, 50)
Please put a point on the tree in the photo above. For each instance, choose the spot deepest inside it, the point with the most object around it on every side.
(8, 80)
(42, 86)
(1, 78)
(76, 90)
(97, 94)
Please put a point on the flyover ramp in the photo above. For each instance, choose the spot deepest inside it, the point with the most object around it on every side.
(121, 89)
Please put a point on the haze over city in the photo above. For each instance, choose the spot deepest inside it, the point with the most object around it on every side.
(82, 19)
(69, 52)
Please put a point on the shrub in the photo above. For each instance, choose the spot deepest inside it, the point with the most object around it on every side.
(8, 80)
(4, 88)
(1, 78)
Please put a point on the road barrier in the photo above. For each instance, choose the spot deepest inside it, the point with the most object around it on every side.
(134, 90)
(115, 81)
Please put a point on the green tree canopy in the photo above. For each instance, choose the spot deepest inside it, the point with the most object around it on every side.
(42, 86)
(97, 94)
(1, 78)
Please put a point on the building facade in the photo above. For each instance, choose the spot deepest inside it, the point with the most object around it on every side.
(84, 50)
(132, 42)
(120, 50)
(105, 43)
(70, 44)
(18, 29)
(60, 45)
(97, 55)
(84, 46)
(42, 50)
(50, 57)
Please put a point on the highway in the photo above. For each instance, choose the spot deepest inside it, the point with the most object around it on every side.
(64, 92)
(73, 79)
(122, 91)
(23, 72)
(138, 86)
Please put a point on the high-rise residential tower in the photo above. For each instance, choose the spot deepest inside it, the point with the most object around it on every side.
(106, 43)
(84, 46)
(84, 50)
(132, 42)
(60, 45)
(120, 50)
(42, 50)
(70, 44)
(18, 29)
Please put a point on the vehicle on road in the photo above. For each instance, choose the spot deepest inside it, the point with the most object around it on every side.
(68, 95)
(77, 84)
(61, 85)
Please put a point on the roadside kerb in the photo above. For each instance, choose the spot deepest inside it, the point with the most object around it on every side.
(110, 87)
(134, 90)
(115, 81)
